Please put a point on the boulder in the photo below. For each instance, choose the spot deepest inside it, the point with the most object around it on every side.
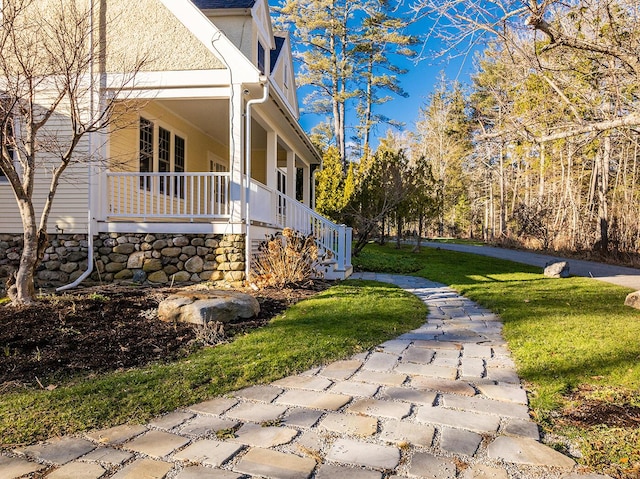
(208, 306)
(558, 269)
(633, 300)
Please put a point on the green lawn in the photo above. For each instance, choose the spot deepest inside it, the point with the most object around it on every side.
(566, 335)
(348, 318)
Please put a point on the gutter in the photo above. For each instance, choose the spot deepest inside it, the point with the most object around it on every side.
(247, 172)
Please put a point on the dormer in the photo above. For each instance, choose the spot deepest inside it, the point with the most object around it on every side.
(282, 74)
(247, 23)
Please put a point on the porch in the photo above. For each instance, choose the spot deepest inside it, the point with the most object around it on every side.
(212, 202)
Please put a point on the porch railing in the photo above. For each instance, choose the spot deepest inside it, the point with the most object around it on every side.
(330, 236)
(163, 195)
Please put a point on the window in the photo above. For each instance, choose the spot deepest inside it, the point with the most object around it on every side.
(164, 156)
(167, 154)
(146, 151)
(261, 58)
(286, 76)
(178, 165)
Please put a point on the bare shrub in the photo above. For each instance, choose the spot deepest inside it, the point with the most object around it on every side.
(285, 258)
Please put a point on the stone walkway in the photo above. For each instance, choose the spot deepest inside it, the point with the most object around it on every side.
(443, 402)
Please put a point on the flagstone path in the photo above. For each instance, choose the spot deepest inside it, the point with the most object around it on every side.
(443, 401)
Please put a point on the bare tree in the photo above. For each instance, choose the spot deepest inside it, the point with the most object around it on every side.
(52, 57)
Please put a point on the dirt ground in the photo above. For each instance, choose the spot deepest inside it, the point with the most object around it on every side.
(108, 328)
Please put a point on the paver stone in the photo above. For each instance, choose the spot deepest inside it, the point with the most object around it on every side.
(330, 471)
(214, 406)
(117, 434)
(352, 425)
(255, 435)
(108, 455)
(429, 370)
(480, 423)
(59, 451)
(12, 467)
(157, 443)
(399, 432)
(482, 471)
(418, 355)
(522, 427)
(78, 470)
(459, 441)
(443, 385)
(364, 454)
(504, 393)
(301, 417)
(380, 362)
(379, 408)
(380, 378)
(313, 383)
(147, 468)
(314, 400)
(428, 466)
(486, 406)
(522, 450)
(414, 396)
(275, 464)
(340, 370)
(355, 388)
(208, 452)
(205, 425)
(262, 393)
(171, 420)
(199, 472)
(256, 413)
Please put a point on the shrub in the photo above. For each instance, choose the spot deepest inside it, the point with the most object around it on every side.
(287, 257)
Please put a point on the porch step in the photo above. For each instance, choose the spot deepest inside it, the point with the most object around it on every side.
(328, 269)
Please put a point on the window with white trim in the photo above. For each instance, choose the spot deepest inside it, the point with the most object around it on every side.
(262, 58)
(163, 151)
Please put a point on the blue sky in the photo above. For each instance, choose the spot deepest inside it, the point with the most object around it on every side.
(419, 82)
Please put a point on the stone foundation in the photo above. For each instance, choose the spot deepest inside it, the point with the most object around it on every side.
(155, 259)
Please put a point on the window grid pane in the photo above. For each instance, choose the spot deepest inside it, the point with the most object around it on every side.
(164, 155)
(146, 150)
(178, 165)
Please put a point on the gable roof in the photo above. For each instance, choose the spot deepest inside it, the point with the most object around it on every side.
(214, 4)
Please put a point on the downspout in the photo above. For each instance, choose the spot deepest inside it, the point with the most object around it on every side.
(247, 173)
(90, 143)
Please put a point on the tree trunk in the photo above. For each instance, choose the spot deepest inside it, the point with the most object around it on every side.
(603, 190)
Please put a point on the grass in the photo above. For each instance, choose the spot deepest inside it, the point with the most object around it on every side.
(346, 319)
(564, 335)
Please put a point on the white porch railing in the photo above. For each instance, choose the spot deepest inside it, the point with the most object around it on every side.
(329, 236)
(168, 195)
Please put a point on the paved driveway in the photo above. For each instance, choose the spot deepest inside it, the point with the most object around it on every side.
(627, 277)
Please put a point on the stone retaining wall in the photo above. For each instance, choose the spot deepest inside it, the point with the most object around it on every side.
(158, 259)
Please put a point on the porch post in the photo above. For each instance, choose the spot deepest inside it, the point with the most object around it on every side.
(306, 185)
(272, 159)
(236, 161)
(291, 174)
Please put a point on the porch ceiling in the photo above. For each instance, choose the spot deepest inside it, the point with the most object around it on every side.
(210, 116)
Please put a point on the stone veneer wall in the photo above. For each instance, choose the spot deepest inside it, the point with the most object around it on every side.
(158, 259)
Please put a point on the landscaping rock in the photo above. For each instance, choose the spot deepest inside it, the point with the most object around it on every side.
(558, 269)
(633, 300)
(204, 306)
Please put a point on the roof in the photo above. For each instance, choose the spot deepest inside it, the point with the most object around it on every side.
(275, 53)
(214, 4)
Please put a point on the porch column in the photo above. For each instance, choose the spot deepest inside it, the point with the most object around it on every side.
(291, 174)
(236, 159)
(272, 159)
(306, 185)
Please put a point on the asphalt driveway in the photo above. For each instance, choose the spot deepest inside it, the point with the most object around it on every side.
(620, 275)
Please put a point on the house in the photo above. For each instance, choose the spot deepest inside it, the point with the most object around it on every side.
(215, 100)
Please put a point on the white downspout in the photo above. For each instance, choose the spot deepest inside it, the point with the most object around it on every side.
(247, 173)
(90, 143)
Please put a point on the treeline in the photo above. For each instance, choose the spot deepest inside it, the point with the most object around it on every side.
(541, 149)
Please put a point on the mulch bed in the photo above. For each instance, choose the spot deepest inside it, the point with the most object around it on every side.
(109, 328)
